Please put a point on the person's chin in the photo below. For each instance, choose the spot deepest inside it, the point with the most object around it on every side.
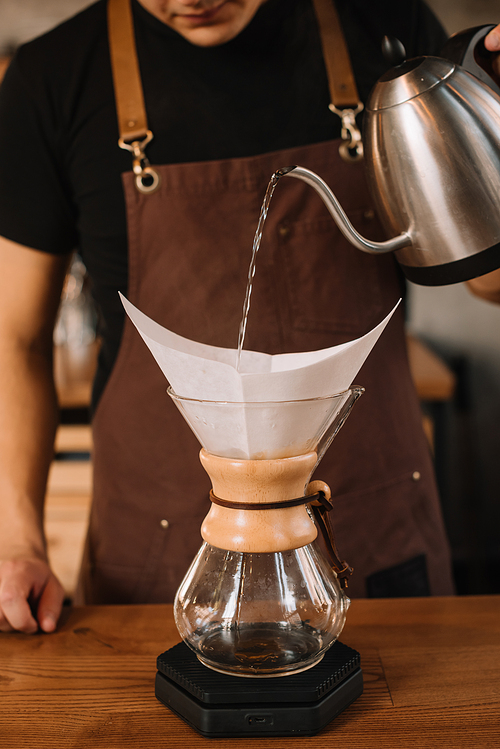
(210, 35)
(219, 25)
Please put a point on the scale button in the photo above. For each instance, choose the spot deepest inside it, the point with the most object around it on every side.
(415, 476)
(164, 523)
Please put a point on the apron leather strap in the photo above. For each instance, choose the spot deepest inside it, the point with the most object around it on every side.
(129, 96)
(343, 89)
(344, 95)
(132, 119)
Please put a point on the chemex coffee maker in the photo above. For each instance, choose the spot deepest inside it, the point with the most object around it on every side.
(264, 601)
(261, 599)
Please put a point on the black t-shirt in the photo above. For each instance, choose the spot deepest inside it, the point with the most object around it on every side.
(266, 90)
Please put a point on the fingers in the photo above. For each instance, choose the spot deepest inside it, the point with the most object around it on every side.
(50, 604)
(15, 587)
(492, 40)
(24, 581)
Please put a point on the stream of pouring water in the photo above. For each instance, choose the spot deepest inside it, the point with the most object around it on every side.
(251, 271)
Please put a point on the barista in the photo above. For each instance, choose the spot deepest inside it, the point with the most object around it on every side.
(233, 90)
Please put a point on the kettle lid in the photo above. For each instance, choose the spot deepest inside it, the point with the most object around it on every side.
(408, 79)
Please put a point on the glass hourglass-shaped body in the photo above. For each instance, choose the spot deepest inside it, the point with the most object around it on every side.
(260, 598)
(260, 614)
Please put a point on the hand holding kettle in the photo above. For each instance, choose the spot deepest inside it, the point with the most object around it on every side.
(492, 44)
(488, 286)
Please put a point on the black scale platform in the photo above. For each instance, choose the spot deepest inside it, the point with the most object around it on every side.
(217, 705)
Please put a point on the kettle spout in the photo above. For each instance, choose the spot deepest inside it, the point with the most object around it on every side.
(339, 215)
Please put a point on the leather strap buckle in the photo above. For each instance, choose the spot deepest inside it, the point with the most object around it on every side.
(341, 82)
(351, 148)
(147, 179)
(130, 107)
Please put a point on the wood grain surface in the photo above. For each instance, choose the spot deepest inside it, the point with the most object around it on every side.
(431, 672)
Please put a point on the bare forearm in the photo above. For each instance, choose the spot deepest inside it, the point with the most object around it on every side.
(487, 287)
(28, 419)
(30, 289)
(30, 594)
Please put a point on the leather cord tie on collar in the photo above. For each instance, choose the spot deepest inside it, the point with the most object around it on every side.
(262, 505)
(320, 506)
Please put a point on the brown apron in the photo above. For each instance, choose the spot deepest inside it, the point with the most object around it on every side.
(189, 250)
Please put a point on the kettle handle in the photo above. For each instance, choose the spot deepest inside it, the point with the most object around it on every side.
(466, 48)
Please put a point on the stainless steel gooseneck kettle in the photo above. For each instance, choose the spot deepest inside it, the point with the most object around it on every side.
(432, 154)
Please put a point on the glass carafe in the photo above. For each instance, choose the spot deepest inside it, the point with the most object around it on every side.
(260, 614)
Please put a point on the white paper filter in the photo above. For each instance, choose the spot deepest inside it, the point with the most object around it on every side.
(242, 430)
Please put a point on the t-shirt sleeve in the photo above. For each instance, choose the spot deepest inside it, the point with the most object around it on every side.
(36, 207)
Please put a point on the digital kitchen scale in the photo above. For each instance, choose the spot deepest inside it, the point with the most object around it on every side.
(221, 706)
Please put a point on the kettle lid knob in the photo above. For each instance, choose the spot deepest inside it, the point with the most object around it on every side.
(406, 79)
(393, 50)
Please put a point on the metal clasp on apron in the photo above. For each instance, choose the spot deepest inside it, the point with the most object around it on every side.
(147, 180)
(351, 149)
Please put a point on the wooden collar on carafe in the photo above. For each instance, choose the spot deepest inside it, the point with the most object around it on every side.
(131, 111)
(320, 503)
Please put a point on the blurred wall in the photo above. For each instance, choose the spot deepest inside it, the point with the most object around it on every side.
(461, 14)
(21, 20)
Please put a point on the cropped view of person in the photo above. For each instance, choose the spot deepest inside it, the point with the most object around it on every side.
(228, 91)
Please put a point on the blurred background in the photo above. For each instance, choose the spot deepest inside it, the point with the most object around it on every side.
(460, 389)
(465, 331)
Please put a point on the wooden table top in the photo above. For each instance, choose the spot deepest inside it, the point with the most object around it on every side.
(434, 380)
(431, 671)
